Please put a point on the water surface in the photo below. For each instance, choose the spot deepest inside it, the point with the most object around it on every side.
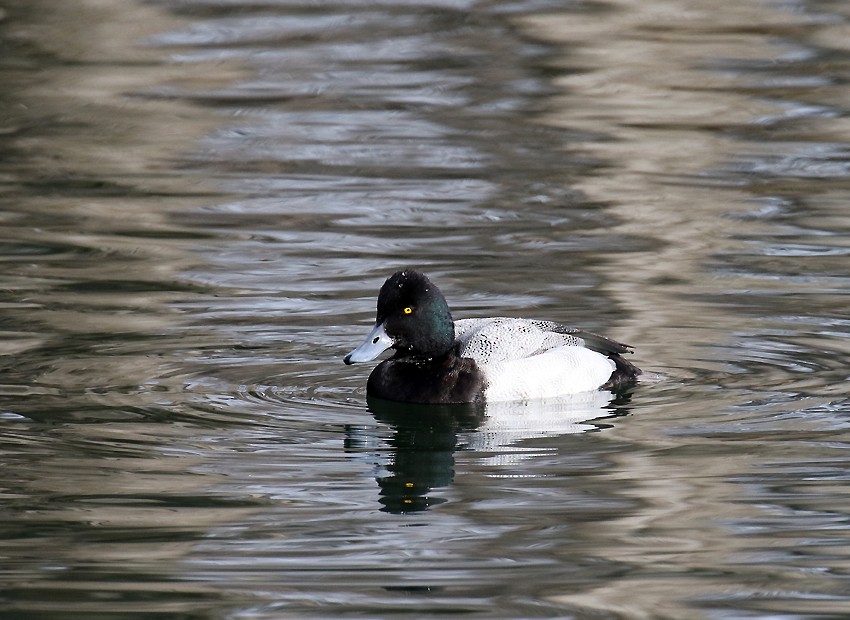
(200, 200)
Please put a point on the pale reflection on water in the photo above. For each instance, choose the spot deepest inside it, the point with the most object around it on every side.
(202, 198)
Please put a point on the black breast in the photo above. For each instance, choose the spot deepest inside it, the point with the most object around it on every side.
(444, 380)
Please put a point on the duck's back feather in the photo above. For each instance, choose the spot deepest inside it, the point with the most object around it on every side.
(501, 339)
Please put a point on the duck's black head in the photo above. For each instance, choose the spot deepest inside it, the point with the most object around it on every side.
(415, 315)
(413, 318)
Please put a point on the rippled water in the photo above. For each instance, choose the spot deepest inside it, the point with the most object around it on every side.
(201, 198)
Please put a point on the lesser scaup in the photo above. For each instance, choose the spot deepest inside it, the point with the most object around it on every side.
(440, 361)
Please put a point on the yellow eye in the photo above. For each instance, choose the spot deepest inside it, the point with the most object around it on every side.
(408, 310)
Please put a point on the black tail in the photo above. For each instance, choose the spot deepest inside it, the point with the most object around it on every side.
(624, 375)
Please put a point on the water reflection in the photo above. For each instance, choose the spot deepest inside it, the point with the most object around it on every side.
(421, 451)
(418, 459)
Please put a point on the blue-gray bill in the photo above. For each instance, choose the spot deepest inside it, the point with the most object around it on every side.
(376, 343)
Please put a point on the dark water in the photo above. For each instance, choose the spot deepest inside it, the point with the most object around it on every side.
(200, 199)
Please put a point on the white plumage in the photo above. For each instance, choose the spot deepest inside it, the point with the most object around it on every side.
(524, 358)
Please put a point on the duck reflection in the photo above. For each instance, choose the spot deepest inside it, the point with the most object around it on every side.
(423, 445)
(425, 438)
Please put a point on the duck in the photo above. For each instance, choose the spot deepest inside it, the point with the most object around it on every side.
(439, 360)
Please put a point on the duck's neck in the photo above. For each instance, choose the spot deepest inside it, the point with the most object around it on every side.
(451, 353)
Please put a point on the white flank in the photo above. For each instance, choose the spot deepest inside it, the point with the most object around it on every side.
(522, 360)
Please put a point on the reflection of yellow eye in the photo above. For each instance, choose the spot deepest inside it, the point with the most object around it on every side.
(408, 310)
